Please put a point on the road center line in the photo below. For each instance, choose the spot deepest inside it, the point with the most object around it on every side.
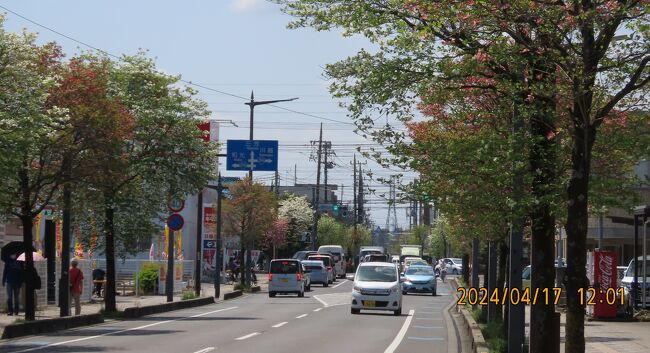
(247, 336)
(205, 350)
(344, 281)
(318, 309)
(400, 335)
(125, 330)
(280, 324)
(301, 316)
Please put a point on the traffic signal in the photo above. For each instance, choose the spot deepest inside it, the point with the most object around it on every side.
(335, 210)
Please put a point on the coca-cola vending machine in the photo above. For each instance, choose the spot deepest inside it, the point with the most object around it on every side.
(602, 276)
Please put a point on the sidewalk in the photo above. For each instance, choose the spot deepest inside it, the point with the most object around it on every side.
(96, 305)
(608, 336)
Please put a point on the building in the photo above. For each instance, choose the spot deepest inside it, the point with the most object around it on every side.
(309, 191)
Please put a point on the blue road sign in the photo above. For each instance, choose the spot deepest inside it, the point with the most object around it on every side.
(209, 244)
(256, 155)
(175, 222)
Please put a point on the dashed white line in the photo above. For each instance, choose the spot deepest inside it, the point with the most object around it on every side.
(318, 309)
(400, 335)
(206, 350)
(122, 331)
(301, 316)
(280, 324)
(344, 281)
(247, 336)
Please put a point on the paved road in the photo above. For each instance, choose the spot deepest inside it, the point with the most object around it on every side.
(320, 322)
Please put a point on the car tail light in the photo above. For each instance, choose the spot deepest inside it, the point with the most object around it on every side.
(329, 268)
(299, 276)
(270, 277)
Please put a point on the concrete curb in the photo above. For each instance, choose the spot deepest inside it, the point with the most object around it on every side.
(473, 330)
(134, 312)
(50, 325)
(233, 294)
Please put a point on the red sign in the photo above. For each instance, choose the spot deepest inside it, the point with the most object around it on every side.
(604, 278)
(210, 131)
(176, 205)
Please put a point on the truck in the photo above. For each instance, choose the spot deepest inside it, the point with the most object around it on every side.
(366, 250)
(410, 250)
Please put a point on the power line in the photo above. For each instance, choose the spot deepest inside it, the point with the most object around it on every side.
(181, 80)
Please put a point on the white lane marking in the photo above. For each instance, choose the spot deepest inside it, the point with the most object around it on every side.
(318, 309)
(425, 338)
(321, 301)
(427, 327)
(247, 336)
(344, 281)
(400, 335)
(125, 330)
(280, 324)
(205, 350)
(301, 316)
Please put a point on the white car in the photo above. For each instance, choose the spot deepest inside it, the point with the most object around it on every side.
(454, 266)
(628, 281)
(377, 287)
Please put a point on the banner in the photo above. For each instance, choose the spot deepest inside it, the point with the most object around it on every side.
(38, 239)
(209, 253)
(59, 237)
(178, 244)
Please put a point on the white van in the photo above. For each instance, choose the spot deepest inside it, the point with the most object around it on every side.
(338, 253)
(628, 280)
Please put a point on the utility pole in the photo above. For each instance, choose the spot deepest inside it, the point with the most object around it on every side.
(327, 146)
(360, 200)
(252, 104)
(169, 283)
(277, 183)
(199, 235)
(217, 259)
(354, 208)
(295, 174)
(317, 198)
(64, 281)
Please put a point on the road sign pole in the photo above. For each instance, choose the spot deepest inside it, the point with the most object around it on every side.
(218, 260)
(169, 284)
(199, 243)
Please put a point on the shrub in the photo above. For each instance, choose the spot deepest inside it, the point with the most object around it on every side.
(189, 294)
(147, 278)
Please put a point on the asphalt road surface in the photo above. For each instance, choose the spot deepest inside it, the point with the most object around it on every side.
(318, 323)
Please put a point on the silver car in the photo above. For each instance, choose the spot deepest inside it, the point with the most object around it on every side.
(317, 271)
(287, 276)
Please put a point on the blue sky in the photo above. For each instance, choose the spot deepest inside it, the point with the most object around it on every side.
(230, 45)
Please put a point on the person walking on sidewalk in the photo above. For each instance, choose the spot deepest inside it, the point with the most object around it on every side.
(12, 278)
(76, 285)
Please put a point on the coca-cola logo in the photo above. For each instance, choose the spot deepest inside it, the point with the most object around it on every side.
(606, 266)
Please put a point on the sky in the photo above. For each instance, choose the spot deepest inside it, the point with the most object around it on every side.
(233, 46)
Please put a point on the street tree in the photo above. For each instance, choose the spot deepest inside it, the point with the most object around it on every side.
(419, 235)
(250, 214)
(276, 237)
(30, 137)
(156, 155)
(330, 231)
(549, 52)
(299, 212)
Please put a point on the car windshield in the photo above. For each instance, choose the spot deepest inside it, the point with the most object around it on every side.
(419, 271)
(326, 260)
(630, 270)
(377, 274)
(284, 267)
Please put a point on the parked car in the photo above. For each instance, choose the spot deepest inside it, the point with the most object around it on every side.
(318, 271)
(419, 279)
(287, 276)
(376, 287)
(338, 253)
(628, 282)
(327, 261)
(454, 266)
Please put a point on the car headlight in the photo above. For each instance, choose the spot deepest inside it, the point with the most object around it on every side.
(356, 289)
(395, 289)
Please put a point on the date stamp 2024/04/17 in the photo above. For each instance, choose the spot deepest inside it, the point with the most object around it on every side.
(544, 296)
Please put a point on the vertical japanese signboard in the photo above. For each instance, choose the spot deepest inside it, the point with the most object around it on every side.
(209, 242)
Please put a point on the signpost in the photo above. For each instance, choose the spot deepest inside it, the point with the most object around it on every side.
(175, 222)
(176, 205)
(252, 155)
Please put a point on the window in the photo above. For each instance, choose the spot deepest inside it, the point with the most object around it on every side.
(377, 274)
(284, 267)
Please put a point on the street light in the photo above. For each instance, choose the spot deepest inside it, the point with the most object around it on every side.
(252, 104)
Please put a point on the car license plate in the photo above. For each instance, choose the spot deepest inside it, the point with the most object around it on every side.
(369, 303)
(284, 280)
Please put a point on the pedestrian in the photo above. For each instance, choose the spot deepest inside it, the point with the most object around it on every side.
(98, 279)
(76, 285)
(12, 278)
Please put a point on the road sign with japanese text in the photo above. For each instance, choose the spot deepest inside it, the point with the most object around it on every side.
(256, 155)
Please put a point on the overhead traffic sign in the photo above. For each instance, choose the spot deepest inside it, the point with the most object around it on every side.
(175, 222)
(256, 155)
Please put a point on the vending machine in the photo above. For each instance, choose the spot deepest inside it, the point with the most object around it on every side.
(602, 300)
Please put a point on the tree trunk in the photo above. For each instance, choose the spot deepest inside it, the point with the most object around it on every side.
(576, 228)
(542, 163)
(242, 250)
(501, 274)
(30, 305)
(109, 231)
